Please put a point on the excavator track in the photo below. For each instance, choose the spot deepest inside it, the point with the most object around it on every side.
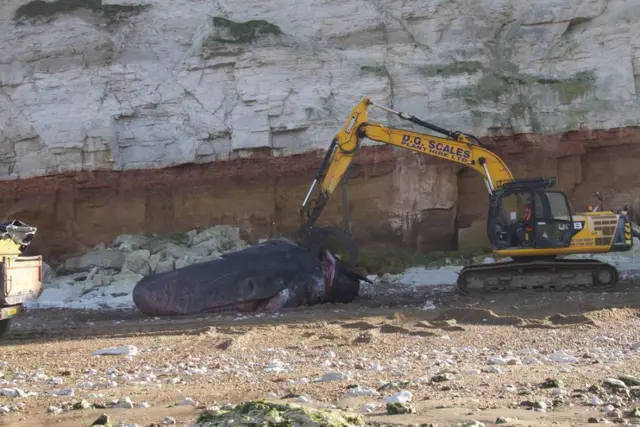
(539, 275)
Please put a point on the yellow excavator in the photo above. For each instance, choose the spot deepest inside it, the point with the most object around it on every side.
(527, 221)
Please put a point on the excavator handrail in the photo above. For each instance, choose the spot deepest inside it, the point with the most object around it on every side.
(458, 147)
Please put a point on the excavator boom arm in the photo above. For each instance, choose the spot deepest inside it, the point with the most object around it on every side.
(457, 147)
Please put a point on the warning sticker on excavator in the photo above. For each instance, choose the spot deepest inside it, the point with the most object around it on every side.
(8, 312)
(439, 149)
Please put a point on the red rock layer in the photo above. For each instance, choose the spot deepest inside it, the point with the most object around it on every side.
(396, 197)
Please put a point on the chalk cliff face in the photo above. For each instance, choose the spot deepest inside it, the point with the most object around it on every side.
(124, 87)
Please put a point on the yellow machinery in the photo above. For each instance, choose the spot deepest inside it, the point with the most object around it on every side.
(527, 220)
(20, 276)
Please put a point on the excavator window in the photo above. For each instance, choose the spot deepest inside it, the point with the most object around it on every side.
(529, 219)
(553, 223)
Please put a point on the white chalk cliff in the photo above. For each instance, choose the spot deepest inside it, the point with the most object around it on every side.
(115, 86)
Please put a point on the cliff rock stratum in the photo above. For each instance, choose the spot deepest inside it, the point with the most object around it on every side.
(161, 116)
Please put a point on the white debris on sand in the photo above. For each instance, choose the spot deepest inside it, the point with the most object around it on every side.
(400, 397)
(360, 391)
(187, 402)
(11, 392)
(369, 407)
(54, 410)
(428, 305)
(335, 376)
(125, 350)
(422, 276)
(277, 366)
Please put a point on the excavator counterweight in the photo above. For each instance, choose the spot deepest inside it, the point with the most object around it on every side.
(528, 220)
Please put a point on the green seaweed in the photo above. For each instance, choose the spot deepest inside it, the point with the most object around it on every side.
(494, 85)
(42, 9)
(452, 69)
(519, 93)
(502, 78)
(574, 87)
(376, 70)
(501, 82)
(397, 408)
(243, 32)
(576, 117)
(267, 414)
(102, 420)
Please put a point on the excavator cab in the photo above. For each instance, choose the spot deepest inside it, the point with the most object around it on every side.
(527, 214)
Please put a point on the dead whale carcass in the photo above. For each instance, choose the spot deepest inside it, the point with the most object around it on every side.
(265, 277)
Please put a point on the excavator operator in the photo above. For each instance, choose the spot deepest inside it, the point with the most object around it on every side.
(525, 229)
(527, 211)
